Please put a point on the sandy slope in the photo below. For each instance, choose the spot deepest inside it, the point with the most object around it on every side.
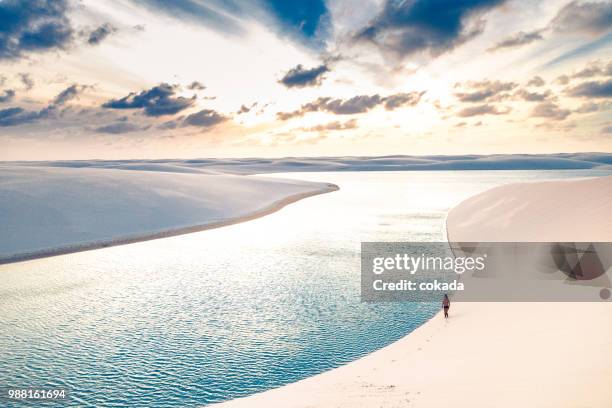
(49, 210)
(568, 210)
(542, 355)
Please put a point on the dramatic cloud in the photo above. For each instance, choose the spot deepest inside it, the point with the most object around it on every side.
(592, 89)
(118, 128)
(305, 19)
(157, 101)
(100, 33)
(583, 17)
(354, 105)
(7, 95)
(408, 27)
(550, 110)
(536, 81)
(486, 91)
(300, 77)
(482, 110)
(205, 118)
(350, 124)
(517, 40)
(533, 96)
(31, 26)
(196, 86)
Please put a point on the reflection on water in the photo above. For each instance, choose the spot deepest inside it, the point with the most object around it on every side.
(209, 316)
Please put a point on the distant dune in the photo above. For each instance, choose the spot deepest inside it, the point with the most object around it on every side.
(384, 163)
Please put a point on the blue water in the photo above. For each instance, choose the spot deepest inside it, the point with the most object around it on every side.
(210, 316)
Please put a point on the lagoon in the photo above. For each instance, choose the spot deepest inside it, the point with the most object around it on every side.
(213, 315)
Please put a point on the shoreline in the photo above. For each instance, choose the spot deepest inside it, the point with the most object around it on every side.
(486, 354)
(69, 249)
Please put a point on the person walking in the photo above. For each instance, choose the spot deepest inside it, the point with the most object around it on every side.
(446, 305)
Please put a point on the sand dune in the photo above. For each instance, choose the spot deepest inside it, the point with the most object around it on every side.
(46, 211)
(568, 210)
(347, 163)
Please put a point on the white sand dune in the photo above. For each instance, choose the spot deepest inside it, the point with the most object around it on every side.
(51, 210)
(560, 211)
(541, 355)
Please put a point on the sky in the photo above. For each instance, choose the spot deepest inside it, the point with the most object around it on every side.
(122, 79)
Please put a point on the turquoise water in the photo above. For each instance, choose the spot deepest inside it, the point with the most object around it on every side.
(210, 316)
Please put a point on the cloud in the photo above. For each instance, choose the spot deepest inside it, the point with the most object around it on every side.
(354, 105)
(518, 39)
(7, 95)
(589, 107)
(550, 110)
(607, 129)
(99, 34)
(213, 14)
(536, 81)
(592, 89)
(18, 116)
(409, 27)
(157, 101)
(205, 118)
(486, 91)
(26, 80)
(67, 94)
(304, 19)
(246, 109)
(196, 86)
(27, 26)
(482, 110)
(533, 96)
(583, 17)
(300, 77)
(171, 124)
(398, 100)
(562, 80)
(118, 128)
(594, 69)
(350, 124)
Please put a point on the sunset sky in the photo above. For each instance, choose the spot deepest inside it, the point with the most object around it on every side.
(235, 78)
